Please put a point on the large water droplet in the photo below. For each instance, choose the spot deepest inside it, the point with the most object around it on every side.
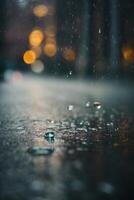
(49, 135)
(97, 105)
(38, 151)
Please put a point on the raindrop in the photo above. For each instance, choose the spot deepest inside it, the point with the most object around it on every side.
(70, 107)
(70, 73)
(38, 151)
(88, 104)
(97, 105)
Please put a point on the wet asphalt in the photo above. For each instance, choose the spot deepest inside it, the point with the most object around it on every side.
(66, 139)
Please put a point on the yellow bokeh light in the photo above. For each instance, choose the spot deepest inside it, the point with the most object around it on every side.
(50, 49)
(40, 10)
(69, 54)
(128, 54)
(36, 37)
(29, 57)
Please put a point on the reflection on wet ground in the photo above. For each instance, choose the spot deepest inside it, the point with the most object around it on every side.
(65, 143)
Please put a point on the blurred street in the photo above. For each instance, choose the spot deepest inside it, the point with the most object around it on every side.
(90, 155)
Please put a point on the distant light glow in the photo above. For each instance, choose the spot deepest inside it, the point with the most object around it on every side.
(29, 57)
(37, 66)
(40, 10)
(22, 3)
(51, 40)
(50, 49)
(128, 54)
(13, 76)
(36, 37)
(37, 51)
(50, 31)
(69, 54)
(51, 11)
(106, 187)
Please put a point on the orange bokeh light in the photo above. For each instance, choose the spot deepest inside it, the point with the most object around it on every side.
(36, 37)
(69, 54)
(29, 57)
(50, 49)
(40, 10)
(128, 54)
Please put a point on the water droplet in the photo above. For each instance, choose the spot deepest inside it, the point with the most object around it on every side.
(82, 129)
(70, 107)
(20, 128)
(88, 104)
(84, 143)
(70, 73)
(111, 124)
(94, 129)
(97, 104)
(49, 135)
(38, 151)
(81, 123)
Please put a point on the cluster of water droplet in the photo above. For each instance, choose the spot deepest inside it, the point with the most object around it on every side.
(80, 131)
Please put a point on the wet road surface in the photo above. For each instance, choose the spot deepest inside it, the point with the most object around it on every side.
(66, 140)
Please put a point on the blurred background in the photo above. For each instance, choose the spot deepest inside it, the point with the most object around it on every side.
(66, 102)
(90, 39)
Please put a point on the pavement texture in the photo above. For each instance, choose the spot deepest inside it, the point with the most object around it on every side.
(66, 140)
